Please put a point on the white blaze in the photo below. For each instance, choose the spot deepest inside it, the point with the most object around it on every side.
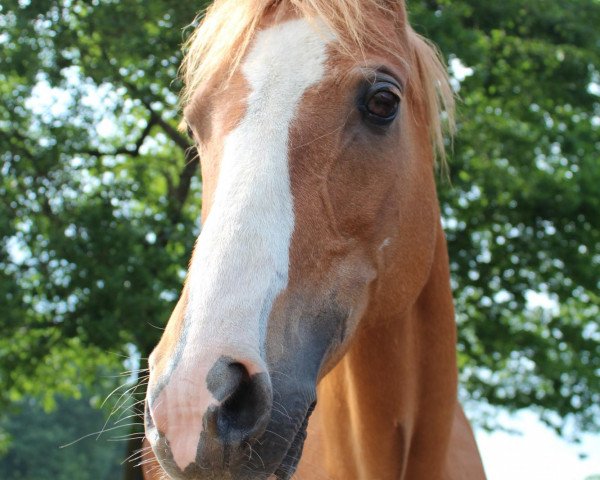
(241, 259)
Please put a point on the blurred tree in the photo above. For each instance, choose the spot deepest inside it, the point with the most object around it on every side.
(97, 222)
(35, 454)
(522, 211)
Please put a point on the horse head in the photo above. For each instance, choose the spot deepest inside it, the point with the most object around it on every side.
(314, 123)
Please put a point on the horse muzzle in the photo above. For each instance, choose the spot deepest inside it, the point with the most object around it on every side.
(224, 422)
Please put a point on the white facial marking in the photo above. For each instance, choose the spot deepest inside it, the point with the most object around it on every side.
(242, 255)
(241, 258)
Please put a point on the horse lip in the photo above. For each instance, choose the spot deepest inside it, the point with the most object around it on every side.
(285, 470)
(288, 463)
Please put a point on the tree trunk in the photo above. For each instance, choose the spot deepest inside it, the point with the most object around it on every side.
(131, 469)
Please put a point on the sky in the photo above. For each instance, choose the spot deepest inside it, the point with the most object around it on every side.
(537, 453)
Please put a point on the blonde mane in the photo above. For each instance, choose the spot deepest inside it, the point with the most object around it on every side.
(219, 42)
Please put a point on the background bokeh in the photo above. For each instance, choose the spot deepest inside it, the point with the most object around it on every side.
(100, 199)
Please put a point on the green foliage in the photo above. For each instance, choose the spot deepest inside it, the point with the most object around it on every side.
(35, 452)
(522, 208)
(100, 201)
(95, 234)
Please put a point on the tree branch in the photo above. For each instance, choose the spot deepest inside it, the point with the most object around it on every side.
(180, 192)
(181, 141)
(171, 131)
(135, 151)
(185, 177)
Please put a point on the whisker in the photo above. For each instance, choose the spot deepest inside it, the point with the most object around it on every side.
(119, 420)
(94, 433)
(118, 407)
(138, 452)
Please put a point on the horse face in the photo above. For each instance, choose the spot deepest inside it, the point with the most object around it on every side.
(308, 159)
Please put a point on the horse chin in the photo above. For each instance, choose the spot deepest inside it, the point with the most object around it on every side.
(271, 458)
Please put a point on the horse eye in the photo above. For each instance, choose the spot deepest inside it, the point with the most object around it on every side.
(381, 103)
(190, 132)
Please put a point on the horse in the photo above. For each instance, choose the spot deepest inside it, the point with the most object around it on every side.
(315, 333)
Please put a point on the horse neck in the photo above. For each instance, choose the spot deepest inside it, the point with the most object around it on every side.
(387, 407)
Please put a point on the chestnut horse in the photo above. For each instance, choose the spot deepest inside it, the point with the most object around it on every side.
(321, 272)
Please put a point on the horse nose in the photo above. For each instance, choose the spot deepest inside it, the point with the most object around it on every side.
(205, 416)
(245, 402)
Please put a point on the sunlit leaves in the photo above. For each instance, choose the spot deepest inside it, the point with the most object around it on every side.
(93, 242)
(521, 212)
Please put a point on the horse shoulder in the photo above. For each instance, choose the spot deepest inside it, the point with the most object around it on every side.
(463, 460)
(312, 463)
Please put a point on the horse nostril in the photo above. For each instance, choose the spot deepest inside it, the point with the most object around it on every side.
(206, 416)
(241, 410)
(245, 401)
